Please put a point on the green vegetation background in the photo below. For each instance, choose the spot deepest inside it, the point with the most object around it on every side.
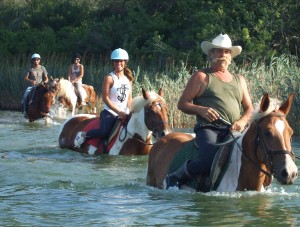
(163, 40)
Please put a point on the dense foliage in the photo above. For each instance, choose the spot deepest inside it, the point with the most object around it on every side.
(163, 40)
(158, 30)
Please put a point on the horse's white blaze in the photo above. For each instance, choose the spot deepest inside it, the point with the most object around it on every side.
(279, 125)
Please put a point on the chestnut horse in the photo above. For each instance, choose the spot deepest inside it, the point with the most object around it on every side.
(263, 151)
(65, 93)
(148, 116)
(40, 100)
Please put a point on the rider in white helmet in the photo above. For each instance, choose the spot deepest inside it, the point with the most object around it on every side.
(35, 75)
(116, 95)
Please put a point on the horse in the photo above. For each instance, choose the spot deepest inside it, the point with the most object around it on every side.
(66, 94)
(262, 151)
(40, 100)
(148, 116)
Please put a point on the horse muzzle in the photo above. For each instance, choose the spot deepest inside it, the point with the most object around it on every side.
(287, 174)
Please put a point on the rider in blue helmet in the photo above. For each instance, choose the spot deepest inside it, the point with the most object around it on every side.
(116, 95)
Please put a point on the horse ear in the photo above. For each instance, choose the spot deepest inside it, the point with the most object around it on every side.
(286, 106)
(265, 102)
(161, 92)
(145, 94)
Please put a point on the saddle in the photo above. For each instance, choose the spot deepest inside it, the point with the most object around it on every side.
(104, 145)
(208, 182)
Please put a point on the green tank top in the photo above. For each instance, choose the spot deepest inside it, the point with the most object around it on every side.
(224, 97)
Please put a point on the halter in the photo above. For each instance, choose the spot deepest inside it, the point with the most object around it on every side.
(268, 153)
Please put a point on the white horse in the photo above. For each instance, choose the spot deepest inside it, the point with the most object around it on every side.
(65, 93)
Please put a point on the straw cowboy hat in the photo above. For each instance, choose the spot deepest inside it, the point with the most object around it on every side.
(221, 42)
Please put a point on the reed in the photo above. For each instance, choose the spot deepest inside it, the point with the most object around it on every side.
(278, 77)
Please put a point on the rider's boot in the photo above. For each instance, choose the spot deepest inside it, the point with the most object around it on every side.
(24, 107)
(179, 177)
(79, 139)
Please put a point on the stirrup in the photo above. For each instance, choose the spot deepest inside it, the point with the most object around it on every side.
(79, 139)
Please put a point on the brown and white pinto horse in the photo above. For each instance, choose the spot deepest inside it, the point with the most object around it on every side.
(263, 150)
(40, 100)
(66, 95)
(148, 116)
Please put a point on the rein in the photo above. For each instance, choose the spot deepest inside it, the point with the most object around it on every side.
(125, 123)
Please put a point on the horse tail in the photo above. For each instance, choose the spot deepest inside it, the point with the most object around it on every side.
(93, 98)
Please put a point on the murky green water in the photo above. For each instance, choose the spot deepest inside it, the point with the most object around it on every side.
(43, 185)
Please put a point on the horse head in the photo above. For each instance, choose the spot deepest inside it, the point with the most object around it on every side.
(40, 103)
(267, 143)
(153, 109)
(54, 85)
(156, 117)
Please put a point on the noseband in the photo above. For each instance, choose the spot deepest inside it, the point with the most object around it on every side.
(150, 124)
(268, 153)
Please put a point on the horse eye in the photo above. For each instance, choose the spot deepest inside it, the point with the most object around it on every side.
(268, 133)
(152, 111)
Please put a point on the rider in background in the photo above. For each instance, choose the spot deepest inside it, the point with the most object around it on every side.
(116, 95)
(75, 75)
(211, 94)
(34, 76)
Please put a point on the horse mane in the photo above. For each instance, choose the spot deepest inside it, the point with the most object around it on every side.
(257, 114)
(273, 107)
(139, 102)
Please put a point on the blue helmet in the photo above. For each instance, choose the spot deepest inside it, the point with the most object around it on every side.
(119, 54)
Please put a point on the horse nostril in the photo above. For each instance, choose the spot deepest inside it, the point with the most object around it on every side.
(294, 175)
(284, 173)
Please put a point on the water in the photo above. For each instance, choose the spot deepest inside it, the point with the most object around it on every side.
(43, 185)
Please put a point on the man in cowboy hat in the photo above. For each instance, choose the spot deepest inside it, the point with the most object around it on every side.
(213, 95)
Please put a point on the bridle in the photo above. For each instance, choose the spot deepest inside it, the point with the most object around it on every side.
(268, 153)
(150, 124)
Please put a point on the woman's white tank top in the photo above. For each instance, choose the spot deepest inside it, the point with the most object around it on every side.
(76, 73)
(119, 93)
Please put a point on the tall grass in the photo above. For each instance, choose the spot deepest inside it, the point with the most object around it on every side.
(278, 77)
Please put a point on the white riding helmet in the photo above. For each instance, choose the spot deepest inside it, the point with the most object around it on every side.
(119, 54)
(35, 56)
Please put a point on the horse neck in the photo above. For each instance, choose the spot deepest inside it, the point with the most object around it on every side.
(136, 125)
(250, 177)
(66, 88)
